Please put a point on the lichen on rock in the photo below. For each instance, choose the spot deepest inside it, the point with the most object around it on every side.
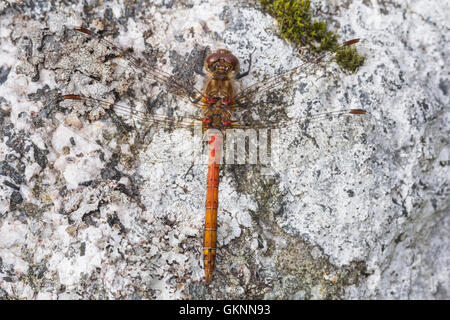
(98, 206)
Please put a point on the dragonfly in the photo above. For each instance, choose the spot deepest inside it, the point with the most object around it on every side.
(218, 101)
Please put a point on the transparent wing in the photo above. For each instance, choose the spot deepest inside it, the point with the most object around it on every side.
(290, 143)
(297, 142)
(174, 85)
(127, 112)
(301, 121)
(122, 129)
(249, 94)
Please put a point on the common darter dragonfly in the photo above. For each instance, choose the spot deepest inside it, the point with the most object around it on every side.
(218, 102)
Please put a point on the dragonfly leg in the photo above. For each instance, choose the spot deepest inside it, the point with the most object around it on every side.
(240, 103)
(246, 73)
(199, 71)
(196, 99)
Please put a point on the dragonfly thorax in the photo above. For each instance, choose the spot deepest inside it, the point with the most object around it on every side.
(217, 117)
(217, 122)
(218, 102)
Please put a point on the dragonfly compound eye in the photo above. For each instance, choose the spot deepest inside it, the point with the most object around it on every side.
(222, 58)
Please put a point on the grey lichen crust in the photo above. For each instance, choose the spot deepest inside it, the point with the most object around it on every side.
(96, 206)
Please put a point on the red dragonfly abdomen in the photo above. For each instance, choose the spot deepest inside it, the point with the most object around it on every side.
(212, 202)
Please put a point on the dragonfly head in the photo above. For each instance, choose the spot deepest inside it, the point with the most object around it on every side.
(222, 62)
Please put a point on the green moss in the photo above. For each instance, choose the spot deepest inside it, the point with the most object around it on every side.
(297, 26)
(348, 58)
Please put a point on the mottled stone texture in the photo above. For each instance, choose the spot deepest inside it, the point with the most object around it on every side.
(98, 206)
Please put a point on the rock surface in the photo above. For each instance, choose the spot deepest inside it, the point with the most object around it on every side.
(98, 207)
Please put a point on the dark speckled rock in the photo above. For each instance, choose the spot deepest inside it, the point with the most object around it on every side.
(16, 198)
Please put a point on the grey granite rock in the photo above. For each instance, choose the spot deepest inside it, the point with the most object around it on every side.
(95, 206)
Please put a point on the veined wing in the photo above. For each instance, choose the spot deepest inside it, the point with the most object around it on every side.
(156, 126)
(301, 121)
(174, 85)
(130, 113)
(295, 143)
(248, 94)
(279, 146)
